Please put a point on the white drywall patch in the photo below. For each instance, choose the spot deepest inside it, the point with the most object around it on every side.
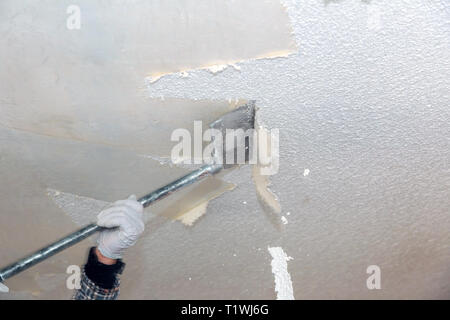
(213, 68)
(283, 283)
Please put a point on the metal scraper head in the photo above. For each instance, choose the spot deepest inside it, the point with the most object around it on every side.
(237, 126)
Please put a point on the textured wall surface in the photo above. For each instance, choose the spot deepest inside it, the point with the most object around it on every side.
(363, 106)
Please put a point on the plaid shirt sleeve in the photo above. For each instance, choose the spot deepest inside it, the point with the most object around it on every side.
(99, 281)
(90, 291)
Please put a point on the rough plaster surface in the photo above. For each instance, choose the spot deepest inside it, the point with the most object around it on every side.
(363, 107)
(82, 210)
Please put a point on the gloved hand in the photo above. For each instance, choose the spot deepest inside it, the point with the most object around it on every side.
(3, 288)
(127, 216)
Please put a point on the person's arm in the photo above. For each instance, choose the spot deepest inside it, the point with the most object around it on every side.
(100, 277)
(99, 281)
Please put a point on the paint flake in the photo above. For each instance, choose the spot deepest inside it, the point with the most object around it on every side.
(267, 197)
(283, 282)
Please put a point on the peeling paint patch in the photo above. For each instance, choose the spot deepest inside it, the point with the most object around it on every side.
(265, 195)
(283, 282)
(284, 220)
(306, 172)
(219, 67)
(192, 215)
(154, 78)
(188, 205)
(260, 172)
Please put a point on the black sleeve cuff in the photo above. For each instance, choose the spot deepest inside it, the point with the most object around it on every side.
(103, 275)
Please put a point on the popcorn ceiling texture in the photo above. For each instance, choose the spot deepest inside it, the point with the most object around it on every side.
(363, 106)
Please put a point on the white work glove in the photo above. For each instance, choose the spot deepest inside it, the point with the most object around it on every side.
(3, 288)
(126, 215)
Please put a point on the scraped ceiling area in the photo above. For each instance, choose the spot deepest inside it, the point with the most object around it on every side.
(78, 130)
(359, 91)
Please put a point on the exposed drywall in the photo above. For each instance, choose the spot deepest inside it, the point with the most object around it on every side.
(363, 180)
(193, 214)
(87, 84)
(190, 204)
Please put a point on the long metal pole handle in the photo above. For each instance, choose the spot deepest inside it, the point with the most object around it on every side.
(48, 251)
(88, 230)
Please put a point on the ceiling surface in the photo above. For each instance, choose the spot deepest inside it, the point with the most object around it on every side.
(361, 103)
